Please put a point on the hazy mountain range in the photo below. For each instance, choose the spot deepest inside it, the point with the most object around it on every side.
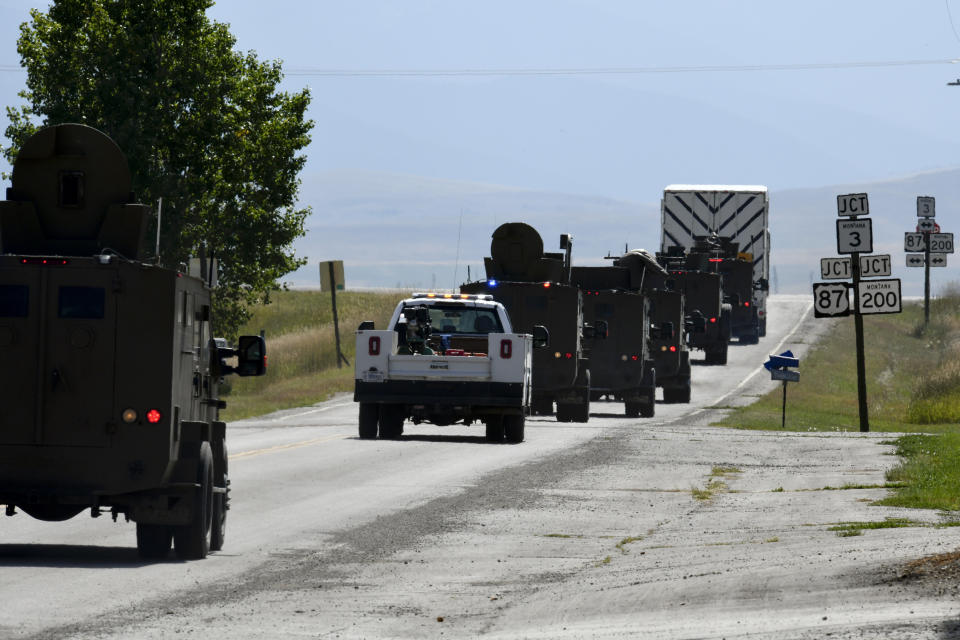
(400, 230)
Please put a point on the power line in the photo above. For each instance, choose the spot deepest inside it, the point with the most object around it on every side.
(479, 72)
(950, 15)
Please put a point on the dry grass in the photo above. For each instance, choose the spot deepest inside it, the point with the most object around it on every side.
(301, 349)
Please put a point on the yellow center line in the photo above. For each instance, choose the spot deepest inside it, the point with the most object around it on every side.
(292, 445)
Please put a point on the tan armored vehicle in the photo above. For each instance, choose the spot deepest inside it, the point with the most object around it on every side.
(110, 370)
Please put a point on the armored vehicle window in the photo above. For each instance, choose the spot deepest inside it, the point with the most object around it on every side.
(14, 300)
(71, 189)
(82, 302)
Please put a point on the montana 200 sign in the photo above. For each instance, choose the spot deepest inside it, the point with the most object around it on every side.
(879, 296)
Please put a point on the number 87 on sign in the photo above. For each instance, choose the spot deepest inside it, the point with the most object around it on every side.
(831, 299)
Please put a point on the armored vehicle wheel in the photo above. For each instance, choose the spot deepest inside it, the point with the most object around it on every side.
(582, 410)
(678, 394)
(513, 428)
(218, 526)
(369, 417)
(632, 409)
(650, 407)
(543, 406)
(495, 428)
(192, 541)
(717, 355)
(391, 421)
(565, 412)
(153, 541)
(751, 338)
(763, 328)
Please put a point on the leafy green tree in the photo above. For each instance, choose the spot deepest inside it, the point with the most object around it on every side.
(203, 126)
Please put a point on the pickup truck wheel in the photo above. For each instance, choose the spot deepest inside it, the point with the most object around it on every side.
(513, 428)
(369, 417)
(391, 421)
(495, 428)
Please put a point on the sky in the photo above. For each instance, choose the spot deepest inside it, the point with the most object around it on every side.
(618, 135)
(789, 95)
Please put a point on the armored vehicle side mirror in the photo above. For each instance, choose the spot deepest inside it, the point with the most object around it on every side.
(366, 325)
(251, 356)
(541, 337)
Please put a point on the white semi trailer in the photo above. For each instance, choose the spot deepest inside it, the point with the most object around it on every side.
(738, 212)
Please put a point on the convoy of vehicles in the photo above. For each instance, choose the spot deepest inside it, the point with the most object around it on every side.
(87, 426)
(112, 405)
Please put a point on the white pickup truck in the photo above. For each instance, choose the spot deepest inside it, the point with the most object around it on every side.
(445, 358)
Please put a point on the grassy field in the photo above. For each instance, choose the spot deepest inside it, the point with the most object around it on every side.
(301, 353)
(913, 386)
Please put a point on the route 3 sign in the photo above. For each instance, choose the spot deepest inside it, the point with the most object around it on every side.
(855, 236)
(925, 206)
(830, 299)
(878, 296)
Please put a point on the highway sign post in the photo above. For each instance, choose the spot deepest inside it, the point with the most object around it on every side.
(779, 368)
(832, 299)
(934, 245)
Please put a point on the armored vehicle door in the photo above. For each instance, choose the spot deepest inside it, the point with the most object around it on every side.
(76, 380)
(19, 352)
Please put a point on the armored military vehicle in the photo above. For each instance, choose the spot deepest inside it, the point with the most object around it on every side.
(109, 383)
(707, 314)
(670, 326)
(739, 287)
(535, 288)
(620, 366)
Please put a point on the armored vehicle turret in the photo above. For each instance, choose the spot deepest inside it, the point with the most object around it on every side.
(109, 383)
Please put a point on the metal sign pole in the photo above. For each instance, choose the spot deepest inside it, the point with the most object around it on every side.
(861, 363)
(783, 414)
(926, 279)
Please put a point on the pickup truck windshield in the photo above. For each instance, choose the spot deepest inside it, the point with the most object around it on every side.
(460, 319)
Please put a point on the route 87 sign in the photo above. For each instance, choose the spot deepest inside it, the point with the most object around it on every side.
(830, 299)
(855, 236)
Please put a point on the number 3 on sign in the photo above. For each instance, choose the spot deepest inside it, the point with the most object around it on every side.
(830, 299)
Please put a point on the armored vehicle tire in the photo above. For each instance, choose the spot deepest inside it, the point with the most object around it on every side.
(192, 541)
(369, 417)
(717, 355)
(565, 412)
(543, 406)
(513, 428)
(218, 527)
(753, 337)
(581, 411)
(649, 408)
(495, 428)
(763, 328)
(153, 541)
(678, 394)
(632, 409)
(391, 421)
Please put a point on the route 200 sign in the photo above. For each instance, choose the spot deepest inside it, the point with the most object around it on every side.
(830, 299)
(878, 296)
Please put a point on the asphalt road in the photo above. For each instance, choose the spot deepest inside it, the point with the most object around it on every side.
(583, 530)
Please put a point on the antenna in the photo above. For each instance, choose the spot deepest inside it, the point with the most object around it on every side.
(159, 215)
(456, 264)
